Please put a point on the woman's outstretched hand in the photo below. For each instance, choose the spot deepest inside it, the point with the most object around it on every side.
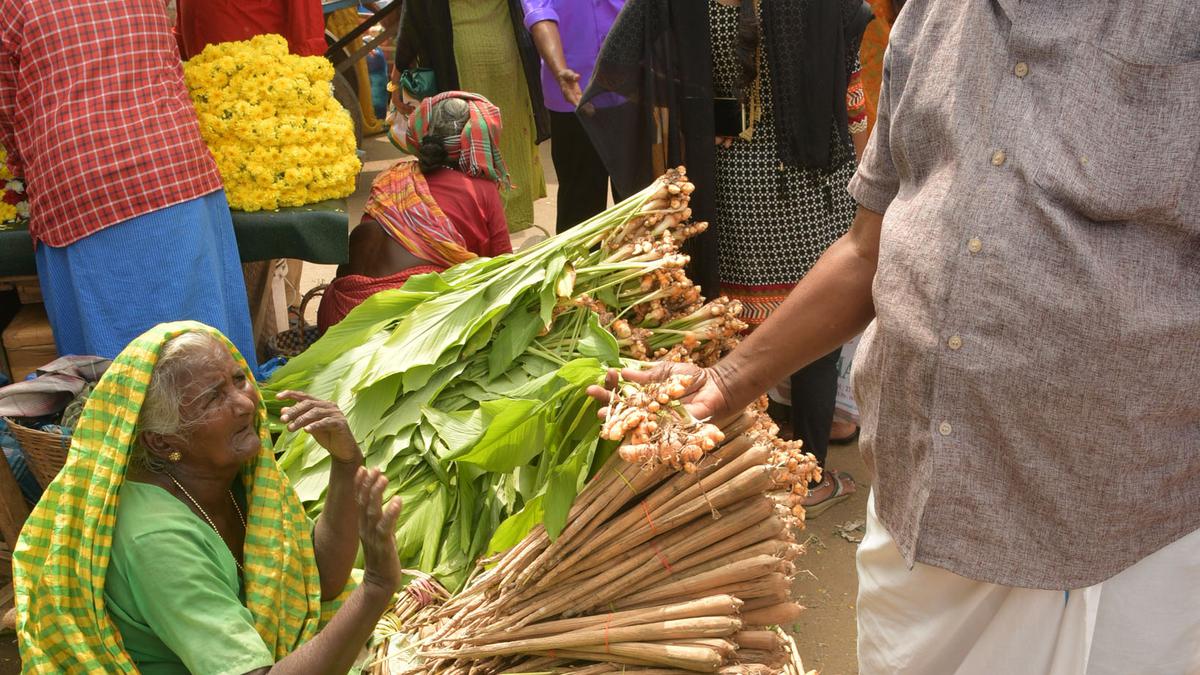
(324, 421)
(704, 399)
(377, 531)
(335, 647)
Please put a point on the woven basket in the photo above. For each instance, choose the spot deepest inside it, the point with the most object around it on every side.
(299, 337)
(46, 453)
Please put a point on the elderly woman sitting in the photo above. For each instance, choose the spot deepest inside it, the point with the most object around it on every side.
(172, 543)
(428, 215)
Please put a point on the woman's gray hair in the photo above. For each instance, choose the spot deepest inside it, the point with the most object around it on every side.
(448, 117)
(446, 122)
(181, 359)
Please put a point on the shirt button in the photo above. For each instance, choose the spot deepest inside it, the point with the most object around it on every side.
(974, 245)
(998, 158)
(944, 428)
(1021, 69)
(955, 342)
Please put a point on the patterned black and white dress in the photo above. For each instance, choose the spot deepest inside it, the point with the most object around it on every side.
(773, 222)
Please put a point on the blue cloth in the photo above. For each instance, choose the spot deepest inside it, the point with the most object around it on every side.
(266, 370)
(377, 67)
(16, 463)
(176, 263)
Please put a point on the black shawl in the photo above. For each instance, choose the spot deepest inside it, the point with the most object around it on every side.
(807, 41)
(427, 38)
(656, 65)
(657, 59)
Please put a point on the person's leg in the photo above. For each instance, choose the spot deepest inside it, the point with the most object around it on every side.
(814, 396)
(814, 392)
(227, 284)
(582, 179)
(258, 276)
(930, 621)
(1149, 615)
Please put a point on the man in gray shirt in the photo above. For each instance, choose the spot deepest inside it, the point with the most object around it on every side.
(1027, 255)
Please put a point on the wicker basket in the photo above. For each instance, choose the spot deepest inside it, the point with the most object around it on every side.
(297, 338)
(46, 453)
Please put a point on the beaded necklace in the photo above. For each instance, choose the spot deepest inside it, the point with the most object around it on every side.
(210, 520)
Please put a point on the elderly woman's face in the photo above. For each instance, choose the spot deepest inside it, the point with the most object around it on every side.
(219, 408)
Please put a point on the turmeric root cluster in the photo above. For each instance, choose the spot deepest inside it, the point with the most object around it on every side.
(657, 306)
(793, 468)
(655, 426)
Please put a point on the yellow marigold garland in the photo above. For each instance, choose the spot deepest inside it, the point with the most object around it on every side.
(13, 206)
(269, 117)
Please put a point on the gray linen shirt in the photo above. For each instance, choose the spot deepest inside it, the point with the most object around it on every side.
(1030, 387)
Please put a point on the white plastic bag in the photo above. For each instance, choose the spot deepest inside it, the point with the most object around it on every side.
(846, 407)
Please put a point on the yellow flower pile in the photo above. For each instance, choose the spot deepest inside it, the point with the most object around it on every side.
(13, 207)
(272, 124)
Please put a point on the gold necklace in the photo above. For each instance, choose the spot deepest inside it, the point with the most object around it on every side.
(210, 520)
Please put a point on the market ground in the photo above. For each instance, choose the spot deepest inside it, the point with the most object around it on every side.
(827, 584)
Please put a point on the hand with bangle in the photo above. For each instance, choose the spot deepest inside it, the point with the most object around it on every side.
(397, 91)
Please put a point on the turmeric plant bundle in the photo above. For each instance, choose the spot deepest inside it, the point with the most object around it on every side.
(661, 566)
(467, 387)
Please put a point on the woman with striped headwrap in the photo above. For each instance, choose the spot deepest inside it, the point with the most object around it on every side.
(171, 542)
(427, 215)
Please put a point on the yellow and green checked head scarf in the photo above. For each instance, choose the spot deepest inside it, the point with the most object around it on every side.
(62, 555)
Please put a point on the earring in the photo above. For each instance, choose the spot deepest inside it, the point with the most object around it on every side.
(175, 456)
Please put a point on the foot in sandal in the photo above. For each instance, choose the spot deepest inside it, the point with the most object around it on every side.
(842, 432)
(834, 487)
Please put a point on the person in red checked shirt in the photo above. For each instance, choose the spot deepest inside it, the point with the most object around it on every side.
(130, 224)
(205, 22)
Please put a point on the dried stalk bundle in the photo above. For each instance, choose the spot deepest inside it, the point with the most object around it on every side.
(662, 567)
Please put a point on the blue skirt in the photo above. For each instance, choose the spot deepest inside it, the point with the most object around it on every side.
(176, 263)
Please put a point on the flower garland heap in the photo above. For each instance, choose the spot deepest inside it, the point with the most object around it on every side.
(14, 208)
(269, 117)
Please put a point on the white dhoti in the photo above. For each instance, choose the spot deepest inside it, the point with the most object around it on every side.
(928, 621)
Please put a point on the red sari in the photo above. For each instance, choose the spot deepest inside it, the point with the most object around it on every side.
(346, 293)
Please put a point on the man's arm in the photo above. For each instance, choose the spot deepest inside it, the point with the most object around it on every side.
(406, 57)
(549, 45)
(860, 144)
(828, 307)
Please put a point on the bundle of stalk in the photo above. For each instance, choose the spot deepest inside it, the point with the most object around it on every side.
(467, 388)
(676, 557)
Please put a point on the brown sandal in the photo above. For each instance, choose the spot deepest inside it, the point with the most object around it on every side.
(843, 487)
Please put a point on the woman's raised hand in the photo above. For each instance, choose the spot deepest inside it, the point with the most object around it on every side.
(377, 530)
(324, 421)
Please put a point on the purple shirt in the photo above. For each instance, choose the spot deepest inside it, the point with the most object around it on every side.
(582, 24)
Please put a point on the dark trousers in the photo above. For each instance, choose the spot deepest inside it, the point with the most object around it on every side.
(814, 393)
(582, 178)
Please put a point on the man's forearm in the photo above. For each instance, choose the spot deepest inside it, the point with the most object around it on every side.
(828, 307)
(549, 44)
(859, 139)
